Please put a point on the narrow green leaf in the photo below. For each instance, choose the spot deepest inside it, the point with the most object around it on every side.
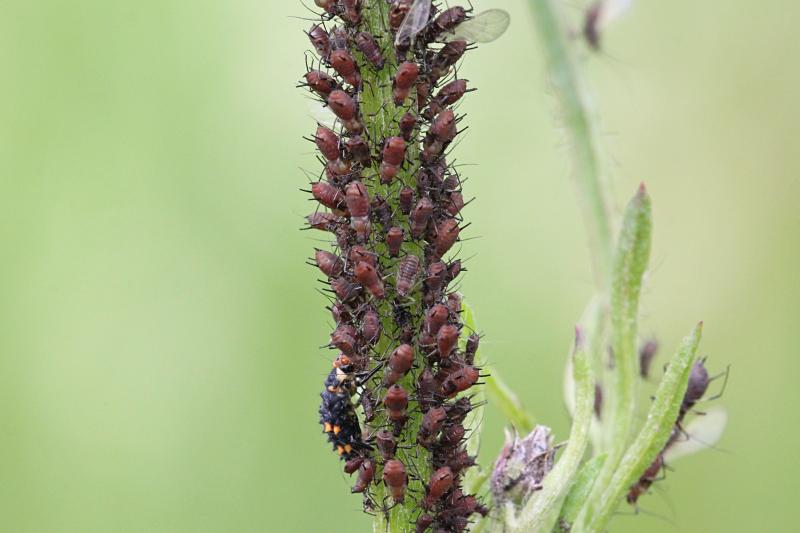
(541, 510)
(581, 487)
(651, 439)
(630, 262)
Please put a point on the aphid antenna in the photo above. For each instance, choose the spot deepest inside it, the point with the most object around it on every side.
(724, 374)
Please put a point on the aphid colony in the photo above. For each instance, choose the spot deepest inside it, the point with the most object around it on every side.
(393, 206)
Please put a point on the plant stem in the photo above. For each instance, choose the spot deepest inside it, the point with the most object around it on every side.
(541, 511)
(583, 132)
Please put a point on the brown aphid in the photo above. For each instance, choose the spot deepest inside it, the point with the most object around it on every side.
(396, 402)
(352, 11)
(443, 127)
(452, 436)
(323, 221)
(473, 342)
(435, 318)
(327, 194)
(327, 5)
(432, 422)
(461, 460)
(344, 339)
(460, 380)
(456, 203)
(646, 480)
(328, 143)
(398, 12)
(394, 152)
(367, 275)
(446, 21)
(343, 63)
(458, 410)
(404, 80)
(329, 263)
(446, 236)
(394, 240)
(344, 289)
(400, 362)
(353, 464)
(407, 123)
(406, 274)
(395, 479)
(423, 92)
(427, 388)
(447, 57)
(454, 302)
(448, 95)
(386, 444)
(436, 276)
(419, 217)
(406, 198)
(424, 521)
(446, 340)
(647, 353)
(366, 472)
(339, 39)
(371, 326)
(441, 481)
(320, 40)
(357, 199)
(344, 107)
(320, 82)
(369, 47)
(359, 253)
(359, 150)
(341, 313)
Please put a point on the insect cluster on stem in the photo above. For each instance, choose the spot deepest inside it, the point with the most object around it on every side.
(392, 204)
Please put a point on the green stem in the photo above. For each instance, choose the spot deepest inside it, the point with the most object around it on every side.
(579, 490)
(583, 131)
(541, 511)
(651, 439)
(630, 263)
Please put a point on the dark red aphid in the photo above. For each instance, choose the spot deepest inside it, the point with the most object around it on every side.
(419, 217)
(352, 11)
(446, 340)
(320, 82)
(327, 5)
(460, 380)
(473, 342)
(443, 127)
(427, 388)
(366, 473)
(441, 482)
(398, 12)
(407, 124)
(435, 318)
(446, 236)
(369, 47)
(359, 150)
(437, 273)
(344, 107)
(328, 143)
(386, 444)
(360, 253)
(343, 63)
(400, 362)
(327, 194)
(454, 302)
(406, 198)
(456, 203)
(329, 263)
(406, 274)
(431, 424)
(404, 80)
(357, 199)
(323, 221)
(424, 521)
(447, 57)
(371, 326)
(395, 479)
(367, 275)
(646, 480)
(461, 460)
(353, 464)
(320, 40)
(452, 436)
(446, 21)
(344, 339)
(344, 289)
(394, 152)
(394, 240)
(396, 402)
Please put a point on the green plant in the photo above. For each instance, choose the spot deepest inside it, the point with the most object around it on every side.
(419, 478)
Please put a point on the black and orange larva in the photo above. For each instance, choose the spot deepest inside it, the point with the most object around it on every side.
(337, 414)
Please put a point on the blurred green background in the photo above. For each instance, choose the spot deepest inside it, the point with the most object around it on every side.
(159, 330)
